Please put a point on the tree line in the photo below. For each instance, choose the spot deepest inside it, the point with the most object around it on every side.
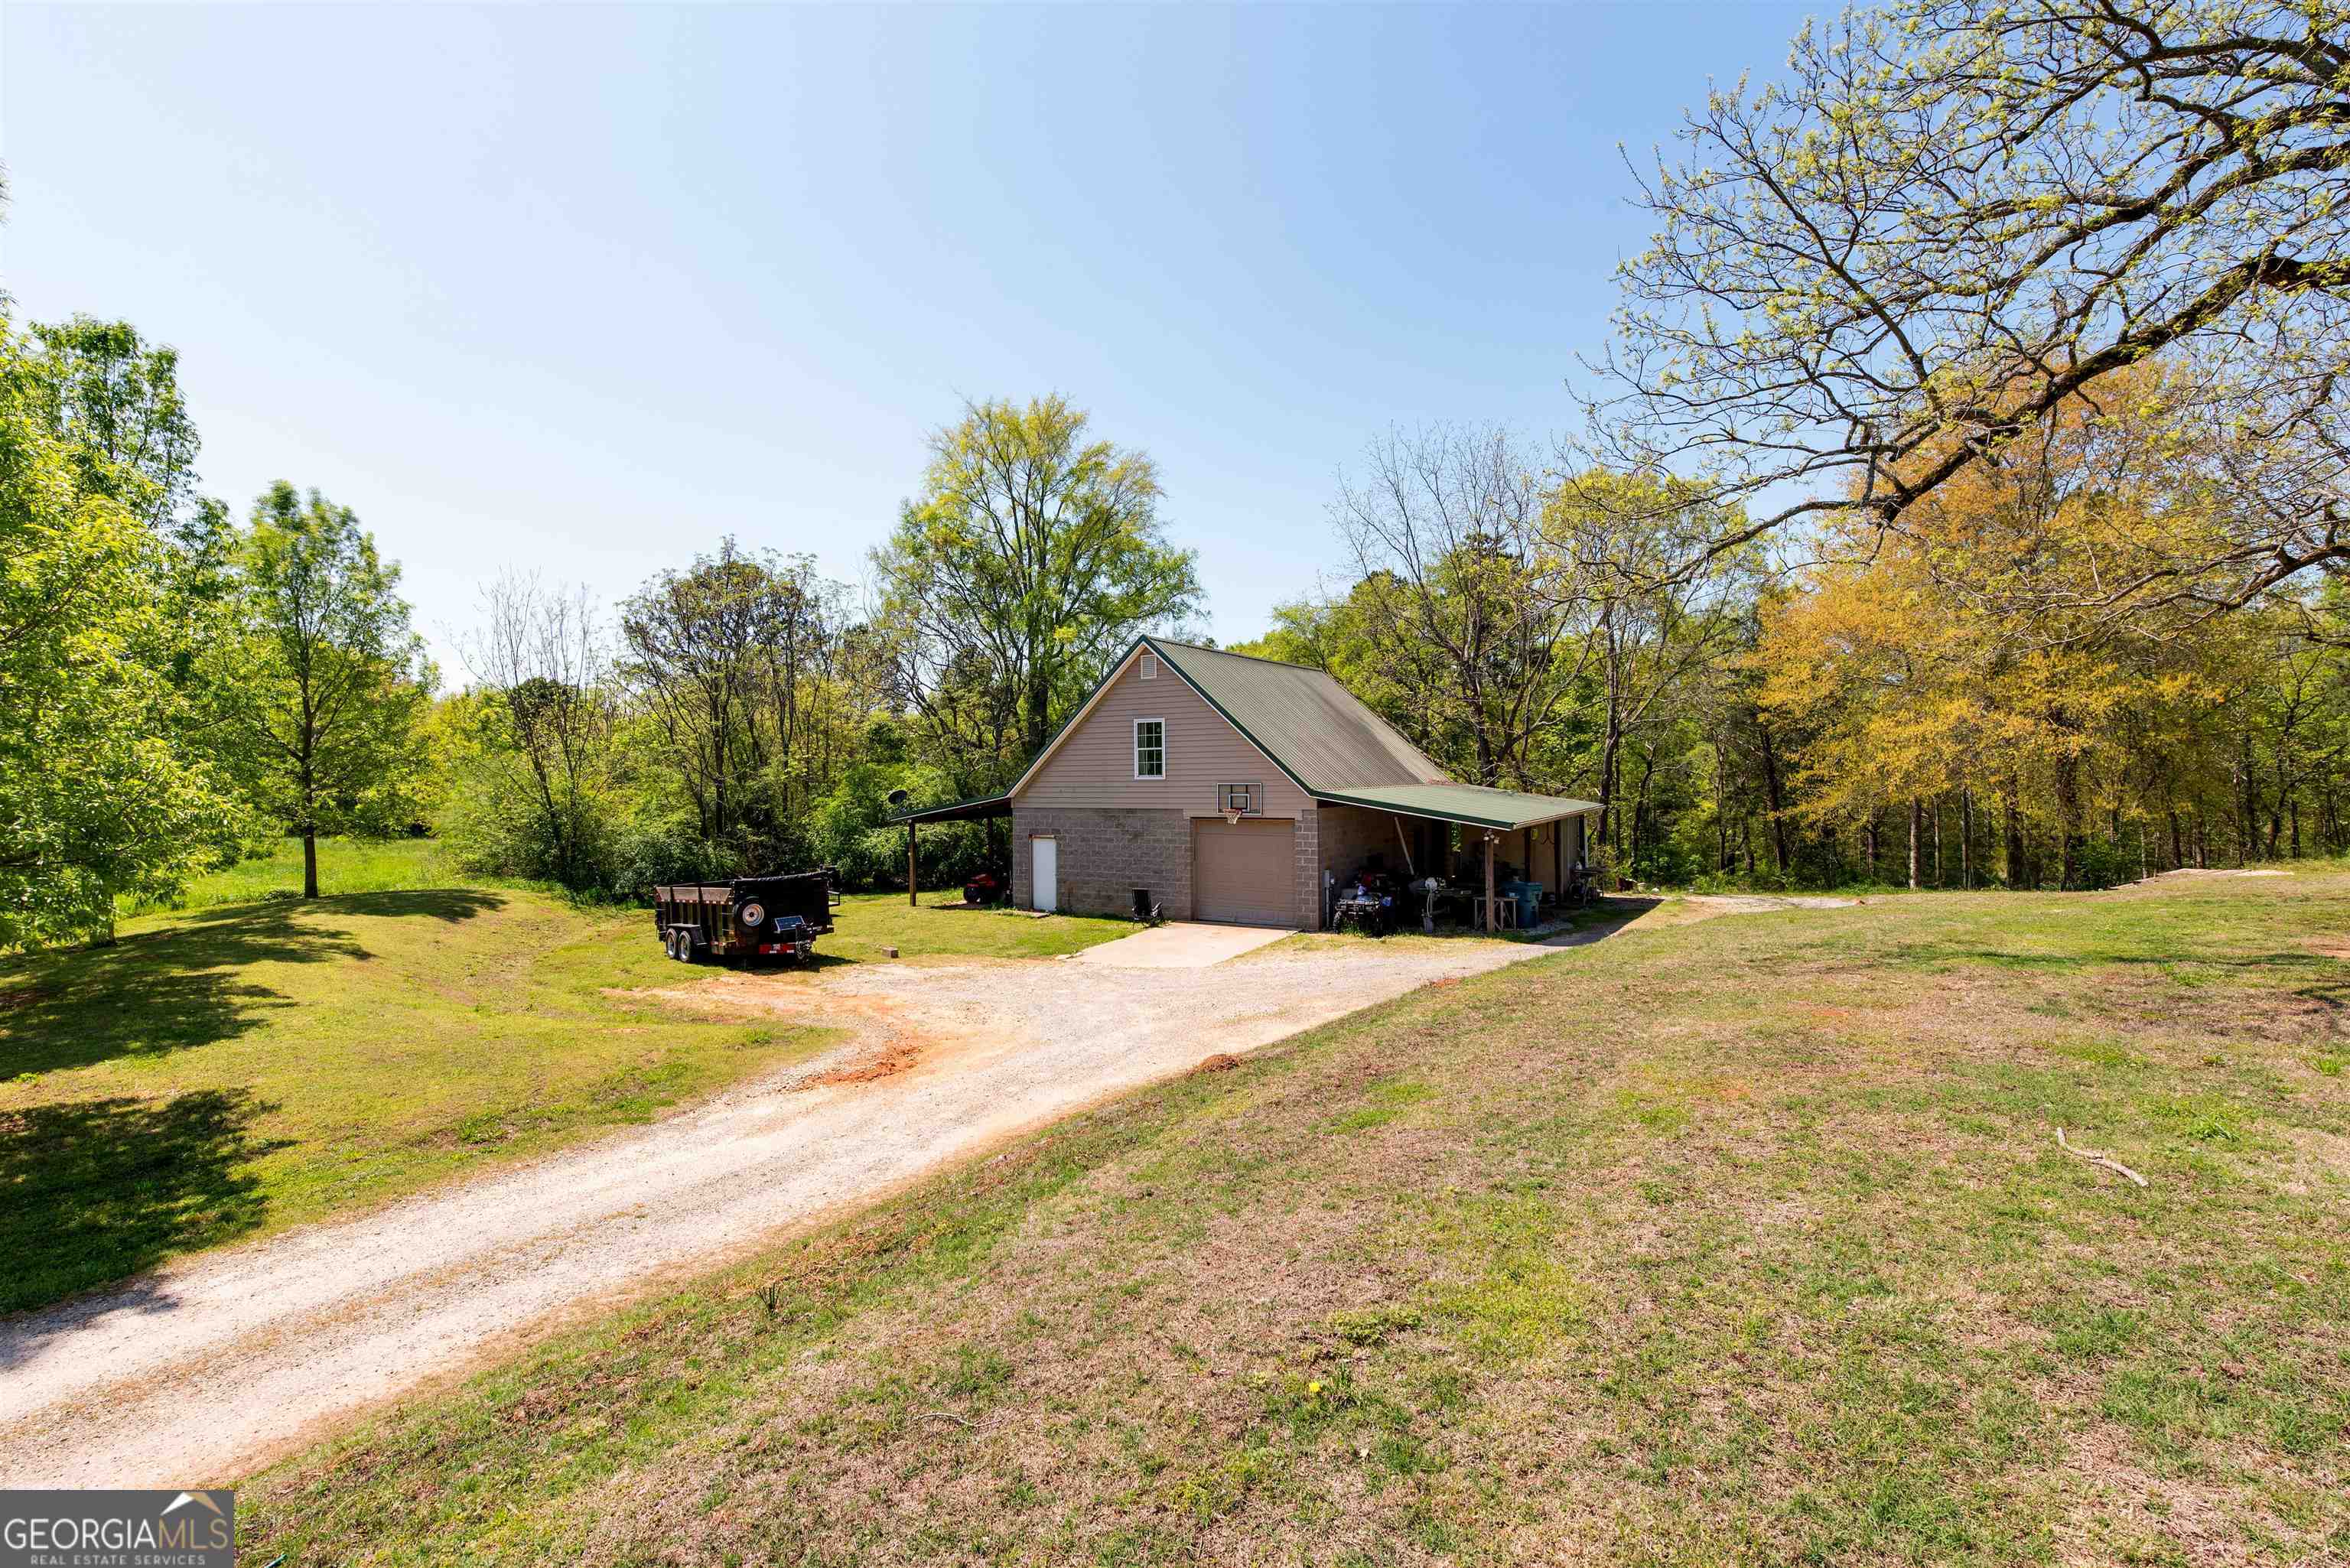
(1962, 499)
(1963, 493)
(1854, 707)
(173, 683)
(179, 685)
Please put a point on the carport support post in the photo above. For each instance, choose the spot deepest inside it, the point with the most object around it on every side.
(909, 864)
(1489, 884)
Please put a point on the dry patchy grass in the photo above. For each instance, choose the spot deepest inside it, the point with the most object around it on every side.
(1742, 1242)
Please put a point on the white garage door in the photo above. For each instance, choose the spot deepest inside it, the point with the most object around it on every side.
(1242, 872)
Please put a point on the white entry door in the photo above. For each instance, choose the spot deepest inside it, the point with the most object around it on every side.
(1044, 874)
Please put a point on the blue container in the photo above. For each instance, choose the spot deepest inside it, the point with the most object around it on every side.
(1529, 897)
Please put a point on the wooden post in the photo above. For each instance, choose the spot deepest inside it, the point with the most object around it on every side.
(1489, 884)
(909, 863)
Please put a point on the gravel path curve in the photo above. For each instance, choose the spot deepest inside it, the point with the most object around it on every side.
(187, 1376)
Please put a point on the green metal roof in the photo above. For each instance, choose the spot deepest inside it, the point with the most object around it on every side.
(1316, 730)
(1506, 809)
(978, 805)
(1321, 735)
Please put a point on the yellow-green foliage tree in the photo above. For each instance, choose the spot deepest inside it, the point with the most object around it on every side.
(99, 794)
(317, 680)
(1031, 556)
(1970, 654)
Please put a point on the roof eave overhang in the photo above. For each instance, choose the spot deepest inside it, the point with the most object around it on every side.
(1465, 818)
(975, 809)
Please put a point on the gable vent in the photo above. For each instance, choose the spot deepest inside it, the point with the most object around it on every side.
(1150, 666)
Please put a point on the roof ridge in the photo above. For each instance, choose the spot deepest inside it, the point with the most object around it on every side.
(1251, 658)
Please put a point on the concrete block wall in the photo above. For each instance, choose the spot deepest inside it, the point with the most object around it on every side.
(1351, 835)
(1305, 844)
(1104, 856)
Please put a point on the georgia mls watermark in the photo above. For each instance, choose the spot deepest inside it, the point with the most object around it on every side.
(162, 1529)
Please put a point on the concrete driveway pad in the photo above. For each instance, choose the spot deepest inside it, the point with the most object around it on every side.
(1181, 944)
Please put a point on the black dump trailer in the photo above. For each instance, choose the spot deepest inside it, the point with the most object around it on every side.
(748, 919)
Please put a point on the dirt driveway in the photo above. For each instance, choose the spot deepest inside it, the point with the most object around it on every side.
(189, 1375)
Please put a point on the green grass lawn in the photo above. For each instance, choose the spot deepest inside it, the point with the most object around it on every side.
(866, 922)
(345, 866)
(254, 1062)
(1742, 1241)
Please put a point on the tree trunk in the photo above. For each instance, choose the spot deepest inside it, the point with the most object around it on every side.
(2013, 866)
(1611, 745)
(910, 865)
(2178, 844)
(1777, 798)
(1917, 832)
(1034, 730)
(1966, 836)
(2248, 806)
(1937, 841)
(1640, 803)
(309, 860)
(1722, 860)
(2068, 826)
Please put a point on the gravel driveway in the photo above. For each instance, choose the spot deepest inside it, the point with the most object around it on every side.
(189, 1375)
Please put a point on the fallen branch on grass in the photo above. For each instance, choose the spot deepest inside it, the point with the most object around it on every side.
(2093, 1157)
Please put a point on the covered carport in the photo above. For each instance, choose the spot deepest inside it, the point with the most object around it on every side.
(979, 808)
(1491, 822)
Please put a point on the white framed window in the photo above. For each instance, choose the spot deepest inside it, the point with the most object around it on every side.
(1151, 748)
(1149, 666)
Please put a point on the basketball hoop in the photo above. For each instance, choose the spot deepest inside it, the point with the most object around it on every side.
(1233, 817)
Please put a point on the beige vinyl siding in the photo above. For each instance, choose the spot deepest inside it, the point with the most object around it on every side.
(1094, 765)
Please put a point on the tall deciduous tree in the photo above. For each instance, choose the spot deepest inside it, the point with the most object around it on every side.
(1031, 557)
(1652, 631)
(98, 794)
(728, 660)
(548, 714)
(321, 682)
(1467, 625)
(115, 400)
(1951, 218)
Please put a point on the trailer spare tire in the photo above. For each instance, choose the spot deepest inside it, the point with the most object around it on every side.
(753, 915)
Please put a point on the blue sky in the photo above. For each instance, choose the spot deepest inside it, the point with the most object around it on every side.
(584, 289)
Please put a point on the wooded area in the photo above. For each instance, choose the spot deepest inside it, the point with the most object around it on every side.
(1961, 503)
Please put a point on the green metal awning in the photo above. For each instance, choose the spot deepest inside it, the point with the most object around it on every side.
(1505, 809)
(959, 811)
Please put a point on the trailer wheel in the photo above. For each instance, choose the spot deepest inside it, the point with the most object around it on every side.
(669, 945)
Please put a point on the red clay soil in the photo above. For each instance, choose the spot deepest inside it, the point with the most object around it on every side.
(892, 1059)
